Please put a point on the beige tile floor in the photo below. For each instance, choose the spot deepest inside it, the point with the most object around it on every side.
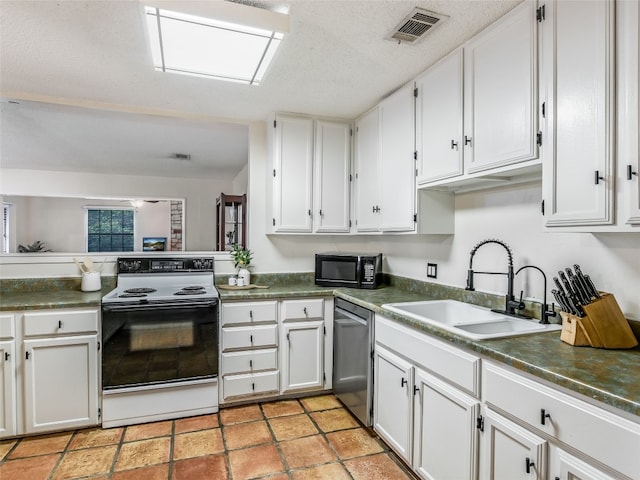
(313, 438)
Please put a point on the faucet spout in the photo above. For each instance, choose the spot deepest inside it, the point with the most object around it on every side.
(545, 313)
(511, 304)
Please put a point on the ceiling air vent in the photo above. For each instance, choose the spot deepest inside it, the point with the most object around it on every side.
(415, 26)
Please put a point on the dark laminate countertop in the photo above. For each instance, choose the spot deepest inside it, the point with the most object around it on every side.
(608, 376)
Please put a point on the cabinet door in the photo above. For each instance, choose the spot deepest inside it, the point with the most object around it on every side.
(398, 165)
(511, 452)
(439, 120)
(501, 92)
(565, 466)
(445, 435)
(332, 167)
(628, 56)
(392, 401)
(61, 383)
(302, 355)
(367, 169)
(7, 388)
(577, 59)
(293, 175)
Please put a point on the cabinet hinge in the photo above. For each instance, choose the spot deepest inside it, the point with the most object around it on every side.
(415, 92)
(416, 172)
(539, 138)
(350, 178)
(349, 223)
(274, 124)
(99, 413)
(480, 423)
(274, 222)
(540, 14)
(544, 108)
(324, 330)
(98, 346)
(274, 172)
(542, 207)
(415, 155)
(351, 132)
(415, 218)
(324, 378)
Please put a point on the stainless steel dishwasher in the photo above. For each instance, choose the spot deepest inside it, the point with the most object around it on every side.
(352, 358)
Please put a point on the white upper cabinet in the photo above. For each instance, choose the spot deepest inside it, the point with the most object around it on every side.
(439, 120)
(311, 164)
(385, 165)
(332, 169)
(367, 171)
(500, 83)
(578, 94)
(292, 174)
(397, 162)
(628, 56)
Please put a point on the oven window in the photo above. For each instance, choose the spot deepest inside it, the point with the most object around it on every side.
(340, 270)
(158, 345)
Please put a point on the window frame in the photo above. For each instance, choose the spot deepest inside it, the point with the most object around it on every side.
(103, 207)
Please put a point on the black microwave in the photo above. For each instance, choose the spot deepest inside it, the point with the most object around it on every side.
(348, 270)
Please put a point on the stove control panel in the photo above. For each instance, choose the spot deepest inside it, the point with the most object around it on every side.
(159, 265)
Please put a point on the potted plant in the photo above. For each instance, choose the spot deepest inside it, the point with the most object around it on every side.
(242, 261)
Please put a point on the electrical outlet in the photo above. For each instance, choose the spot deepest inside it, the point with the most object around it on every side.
(432, 270)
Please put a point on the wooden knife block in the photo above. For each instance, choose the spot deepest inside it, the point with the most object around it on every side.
(603, 326)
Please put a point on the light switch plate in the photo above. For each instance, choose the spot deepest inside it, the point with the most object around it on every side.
(432, 270)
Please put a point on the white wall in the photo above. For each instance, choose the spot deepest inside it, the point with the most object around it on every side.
(511, 214)
(199, 194)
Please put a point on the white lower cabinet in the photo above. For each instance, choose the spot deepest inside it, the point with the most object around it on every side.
(7, 375)
(273, 347)
(532, 414)
(50, 370)
(302, 343)
(60, 383)
(445, 444)
(564, 466)
(249, 350)
(392, 402)
(419, 408)
(510, 452)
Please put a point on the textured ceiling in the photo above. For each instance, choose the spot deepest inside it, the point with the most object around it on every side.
(334, 62)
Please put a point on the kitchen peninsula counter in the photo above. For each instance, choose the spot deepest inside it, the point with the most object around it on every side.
(606, 376)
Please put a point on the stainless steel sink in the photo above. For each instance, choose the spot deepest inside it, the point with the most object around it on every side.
(469, 320)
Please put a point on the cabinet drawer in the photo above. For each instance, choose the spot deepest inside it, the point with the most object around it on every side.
(249, 312)
(606, 437)
(249, 384)
(249, 361)
(7, 326)
(249, 336)
(302, 309)
(458, 367)
(60, 322)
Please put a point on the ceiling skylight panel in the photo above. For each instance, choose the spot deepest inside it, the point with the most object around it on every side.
(193, 45)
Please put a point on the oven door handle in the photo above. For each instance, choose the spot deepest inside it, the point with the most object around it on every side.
(157, 306)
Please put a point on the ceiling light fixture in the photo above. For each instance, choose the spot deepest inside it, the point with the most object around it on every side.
(220, 40)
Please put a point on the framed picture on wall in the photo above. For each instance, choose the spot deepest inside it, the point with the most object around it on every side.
(154, 244)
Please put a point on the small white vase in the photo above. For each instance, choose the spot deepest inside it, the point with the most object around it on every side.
(244, 273)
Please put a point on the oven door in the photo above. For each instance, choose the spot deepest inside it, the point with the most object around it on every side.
(145, 344)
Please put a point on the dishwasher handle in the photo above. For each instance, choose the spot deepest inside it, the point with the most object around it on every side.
(350, 316)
